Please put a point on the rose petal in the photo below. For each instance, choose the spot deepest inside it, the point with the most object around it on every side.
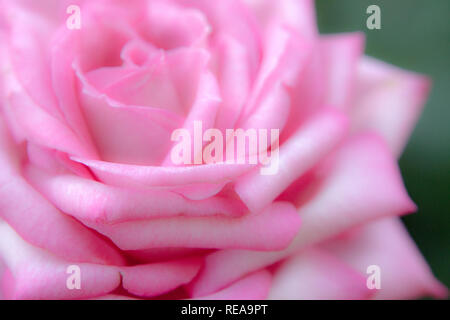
(404, 274)
(269, 103)
(36, 274)
(303, 150)
(388, 101)
(36, 122)
(122, 134)
(163, 84)
(25, 50)
(192, 177)
(53, 11)
(205, 108)
(163, 254)
(363, 184)
(234, 78)
(252, 287)
(159, 278)
(316, 275)
(272, 229)
(64, 86)
(114, 297)
(340, 57)
(234, 19)
(169, 25)
(38, 222)
(93, 201)
(297, 14)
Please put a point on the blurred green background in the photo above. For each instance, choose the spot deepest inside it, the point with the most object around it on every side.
(415, 35)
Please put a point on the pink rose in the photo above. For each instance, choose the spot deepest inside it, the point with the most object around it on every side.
(89, 100)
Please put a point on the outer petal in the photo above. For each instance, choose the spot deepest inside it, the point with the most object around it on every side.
(36, 274)
(388, 101)
(404, 273)
(29, 67)
(39, 222)
(35, 124)
(315, 275)
(252, 287)
(297, 14)
(53, 11)
(90, 200)
(361, 182)
(159, 278)
(195, 182)
(29, 28)
(272, 229)
(33, 273)
(340, 57)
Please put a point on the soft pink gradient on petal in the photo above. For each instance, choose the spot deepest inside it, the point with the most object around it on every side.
(39, 222)
(170, 26)
(36, 274)
(316, 275)
(135, 176)
(404, 273)
(363, 168)
(297, 14)
(87, 177)
(341, 56)
(252, 287)
(301, 152)
(159, 278)
(389, 101)
(234, 79)
(93, 201)
(272, 229)
(235, 19)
